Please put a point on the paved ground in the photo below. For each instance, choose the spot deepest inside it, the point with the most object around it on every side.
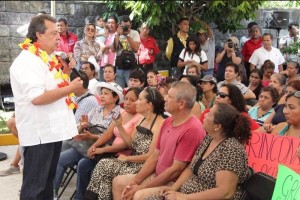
(10, 185)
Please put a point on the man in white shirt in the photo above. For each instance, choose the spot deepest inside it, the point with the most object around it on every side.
(288, 40)
(43, 116)
(267, 52)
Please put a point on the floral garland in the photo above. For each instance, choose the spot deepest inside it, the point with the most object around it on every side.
(53, 64)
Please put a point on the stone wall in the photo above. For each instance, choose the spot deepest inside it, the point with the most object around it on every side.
(16, 13)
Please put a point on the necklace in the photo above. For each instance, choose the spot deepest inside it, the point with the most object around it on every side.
(54, 66)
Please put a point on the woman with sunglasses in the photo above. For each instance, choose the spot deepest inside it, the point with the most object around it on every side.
(231, 94)
(142, 143)
(87, 47)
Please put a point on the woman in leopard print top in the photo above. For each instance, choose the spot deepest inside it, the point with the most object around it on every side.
(220, 164)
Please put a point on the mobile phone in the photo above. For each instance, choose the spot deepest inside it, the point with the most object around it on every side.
(76, 72)
(115, 114)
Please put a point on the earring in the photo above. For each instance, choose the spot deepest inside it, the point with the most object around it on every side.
(216, 129)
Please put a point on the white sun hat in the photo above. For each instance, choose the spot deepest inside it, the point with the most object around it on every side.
(111, 86)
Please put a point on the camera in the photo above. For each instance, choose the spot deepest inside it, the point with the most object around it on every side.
(230, 45)
(125, 28)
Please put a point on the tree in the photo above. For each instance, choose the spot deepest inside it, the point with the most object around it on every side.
(163, 15)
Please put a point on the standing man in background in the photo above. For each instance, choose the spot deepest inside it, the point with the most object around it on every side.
(148, 49)
(128, 40)
(207, 43)
(250, 46)
(67, 39)
(175, 45)
(288, 40)
(44, 117)
(267, 51)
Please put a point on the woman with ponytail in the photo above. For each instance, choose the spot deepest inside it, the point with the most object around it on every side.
(220, 164)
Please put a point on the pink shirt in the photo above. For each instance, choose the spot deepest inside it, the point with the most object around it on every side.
(129, 128)
(111, 56)
(178, 143)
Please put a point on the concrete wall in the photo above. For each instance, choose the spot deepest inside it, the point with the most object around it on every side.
(16, 13)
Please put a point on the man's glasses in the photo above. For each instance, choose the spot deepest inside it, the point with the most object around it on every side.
(90, 29)
(222, 95)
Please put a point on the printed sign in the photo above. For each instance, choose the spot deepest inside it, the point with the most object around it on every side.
(266, 151)
(287, 184)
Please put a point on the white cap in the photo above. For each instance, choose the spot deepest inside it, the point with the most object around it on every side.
(92, 60)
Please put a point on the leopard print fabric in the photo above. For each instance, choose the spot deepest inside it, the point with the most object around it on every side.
(108, 168)
(229, 155)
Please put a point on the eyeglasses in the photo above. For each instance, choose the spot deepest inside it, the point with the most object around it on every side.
(222, 95)
(90, 29)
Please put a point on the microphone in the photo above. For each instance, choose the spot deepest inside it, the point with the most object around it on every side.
(65, 57)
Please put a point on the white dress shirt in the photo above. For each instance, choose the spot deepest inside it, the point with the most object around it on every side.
(38, 124)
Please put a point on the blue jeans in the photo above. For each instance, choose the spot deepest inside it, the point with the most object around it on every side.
(122, 77)
(85, 167)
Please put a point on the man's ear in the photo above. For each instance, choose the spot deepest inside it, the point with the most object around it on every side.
(38, 35)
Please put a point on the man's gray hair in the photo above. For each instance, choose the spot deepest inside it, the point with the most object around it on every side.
(185, 91)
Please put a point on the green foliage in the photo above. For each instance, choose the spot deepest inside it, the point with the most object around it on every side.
(292, 49)
(3, 127)
(280, 4)
(163, 15)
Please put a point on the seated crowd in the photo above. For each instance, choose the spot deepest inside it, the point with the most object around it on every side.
(146, 136)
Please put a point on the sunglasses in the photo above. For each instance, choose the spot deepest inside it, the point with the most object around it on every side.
(295, 94)
(90, 29)
(222, 95)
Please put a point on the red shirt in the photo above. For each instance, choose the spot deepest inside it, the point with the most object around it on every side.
(253, 124)
(67, 42)
(249, 47)
(148, 50)
(178, 143)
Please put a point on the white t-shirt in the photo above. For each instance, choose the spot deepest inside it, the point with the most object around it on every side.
(184, 56)
(38, 124)
(261, 54)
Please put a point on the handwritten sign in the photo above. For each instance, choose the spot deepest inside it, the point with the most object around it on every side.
(266, 151)
(287, 185)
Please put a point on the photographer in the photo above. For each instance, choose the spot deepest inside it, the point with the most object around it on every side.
(126, 44)
(230, 53)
